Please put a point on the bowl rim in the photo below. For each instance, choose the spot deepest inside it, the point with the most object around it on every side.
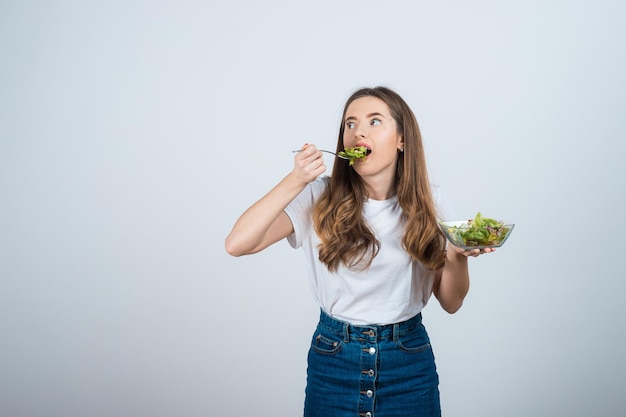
(451, 238)
(464, 223)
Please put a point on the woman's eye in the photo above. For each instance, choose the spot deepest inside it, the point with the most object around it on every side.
(350, 125)
(375, 122)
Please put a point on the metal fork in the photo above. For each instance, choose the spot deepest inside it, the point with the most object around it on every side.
(321, 150)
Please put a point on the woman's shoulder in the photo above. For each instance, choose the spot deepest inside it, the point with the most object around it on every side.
(319, 184)
(311, 192)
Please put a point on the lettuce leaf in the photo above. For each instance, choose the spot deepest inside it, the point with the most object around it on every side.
(482, 231)
(354, 154)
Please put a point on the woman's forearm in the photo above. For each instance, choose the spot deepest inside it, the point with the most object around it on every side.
(256, 229)
(453, 285)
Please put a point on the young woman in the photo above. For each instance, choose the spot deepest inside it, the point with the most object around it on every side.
(374, 255)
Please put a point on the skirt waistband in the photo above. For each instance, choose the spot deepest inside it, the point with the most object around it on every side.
(379, 332)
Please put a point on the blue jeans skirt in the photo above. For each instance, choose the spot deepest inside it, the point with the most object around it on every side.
(371, 371)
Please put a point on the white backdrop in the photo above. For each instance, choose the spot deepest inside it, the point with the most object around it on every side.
(133, 134)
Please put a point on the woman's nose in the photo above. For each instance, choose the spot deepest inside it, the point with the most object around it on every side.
(360, 132)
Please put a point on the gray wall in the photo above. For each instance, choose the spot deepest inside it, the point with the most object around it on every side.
(133, 134)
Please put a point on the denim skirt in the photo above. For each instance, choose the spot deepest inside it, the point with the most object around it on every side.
(371, 371)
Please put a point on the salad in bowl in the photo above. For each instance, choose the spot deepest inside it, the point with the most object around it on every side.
(477, 233)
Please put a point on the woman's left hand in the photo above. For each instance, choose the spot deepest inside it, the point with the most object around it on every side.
(473, 252)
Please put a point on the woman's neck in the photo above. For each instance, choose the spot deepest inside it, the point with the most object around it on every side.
(379, 188)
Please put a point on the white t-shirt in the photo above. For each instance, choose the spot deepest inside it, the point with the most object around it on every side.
(393, 289)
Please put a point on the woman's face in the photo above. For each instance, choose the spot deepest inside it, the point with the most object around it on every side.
(369, 123)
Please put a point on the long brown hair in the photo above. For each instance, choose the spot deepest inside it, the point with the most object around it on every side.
(344, 234)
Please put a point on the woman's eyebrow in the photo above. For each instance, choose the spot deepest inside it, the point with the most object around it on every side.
(367, 116)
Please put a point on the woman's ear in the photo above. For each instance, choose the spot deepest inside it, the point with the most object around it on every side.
(401, 145)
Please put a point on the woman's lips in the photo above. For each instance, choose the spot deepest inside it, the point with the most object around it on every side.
(369, 150)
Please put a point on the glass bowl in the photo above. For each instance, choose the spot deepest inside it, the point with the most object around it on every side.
(466, 236)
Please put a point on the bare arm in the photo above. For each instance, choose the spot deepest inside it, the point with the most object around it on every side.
(452, 281)
(266, 222)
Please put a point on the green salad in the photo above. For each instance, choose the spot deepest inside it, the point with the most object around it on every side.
(354, 154)
(479, 231)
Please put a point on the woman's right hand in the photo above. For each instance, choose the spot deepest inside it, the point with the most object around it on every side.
(308, 164)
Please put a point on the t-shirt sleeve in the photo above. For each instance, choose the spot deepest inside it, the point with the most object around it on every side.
(299, 211)
(292, 210)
